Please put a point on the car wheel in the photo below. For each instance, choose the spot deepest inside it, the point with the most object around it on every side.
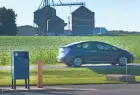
(77, 61)
(122, 61)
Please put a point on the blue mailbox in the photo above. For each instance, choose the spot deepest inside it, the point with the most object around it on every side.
(20, 67)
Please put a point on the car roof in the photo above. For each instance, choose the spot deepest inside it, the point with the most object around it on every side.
(75, 43)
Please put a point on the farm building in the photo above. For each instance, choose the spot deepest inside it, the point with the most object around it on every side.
(42, 15)
(83, 22)
(67, 32)
(56, 26)
(48, 22)
(100, 30)
(26, 30)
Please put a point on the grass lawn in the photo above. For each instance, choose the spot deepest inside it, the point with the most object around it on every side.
(68, 76)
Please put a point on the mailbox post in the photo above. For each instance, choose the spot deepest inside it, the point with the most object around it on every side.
(20, 67)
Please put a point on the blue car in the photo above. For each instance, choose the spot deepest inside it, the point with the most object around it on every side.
(90, 52)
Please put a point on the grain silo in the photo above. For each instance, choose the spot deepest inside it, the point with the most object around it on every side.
(56, 26)
(83, 22)
(42, 16)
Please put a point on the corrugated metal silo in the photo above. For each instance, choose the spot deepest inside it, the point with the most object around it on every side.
(83, 22)
(42, 15)
(56, 26)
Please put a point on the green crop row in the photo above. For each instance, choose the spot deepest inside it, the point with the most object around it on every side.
(46, 48)
(47, 56)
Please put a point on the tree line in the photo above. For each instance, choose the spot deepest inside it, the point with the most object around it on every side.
(8, 25)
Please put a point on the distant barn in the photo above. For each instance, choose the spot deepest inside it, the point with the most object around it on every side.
(26, 30)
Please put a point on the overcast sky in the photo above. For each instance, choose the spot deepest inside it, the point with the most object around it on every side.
(112, 14)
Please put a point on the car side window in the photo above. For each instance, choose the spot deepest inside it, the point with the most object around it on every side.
(83, 46)
(100, 47)
(105, 47)
(87, 46)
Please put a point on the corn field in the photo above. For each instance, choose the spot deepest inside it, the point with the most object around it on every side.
(46, 48)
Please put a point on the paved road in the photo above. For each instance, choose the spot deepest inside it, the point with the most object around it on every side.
(64, 66)
(108, 89)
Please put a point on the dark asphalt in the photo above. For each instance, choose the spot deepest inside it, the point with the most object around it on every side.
(108, 89)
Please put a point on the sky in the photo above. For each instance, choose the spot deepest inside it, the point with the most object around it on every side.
(112, 14)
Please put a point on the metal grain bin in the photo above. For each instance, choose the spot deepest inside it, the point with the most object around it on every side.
(42, 15)
(83, 22)
(56, 26)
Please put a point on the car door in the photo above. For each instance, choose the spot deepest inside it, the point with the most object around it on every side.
(90, 52)
(86, 51)
(108, 53)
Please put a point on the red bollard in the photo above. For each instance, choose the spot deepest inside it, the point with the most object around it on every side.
(40, 74)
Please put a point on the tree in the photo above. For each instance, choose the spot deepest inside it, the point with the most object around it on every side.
(8, 25)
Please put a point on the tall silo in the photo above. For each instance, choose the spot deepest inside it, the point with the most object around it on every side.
(83, 22)
(41, 17)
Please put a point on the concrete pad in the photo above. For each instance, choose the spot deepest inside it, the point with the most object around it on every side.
(121, 78)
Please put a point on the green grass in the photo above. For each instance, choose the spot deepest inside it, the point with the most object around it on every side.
(69, 76)
(58, 76)
(46, 48)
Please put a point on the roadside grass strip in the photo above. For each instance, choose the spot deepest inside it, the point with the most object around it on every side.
(68, 76)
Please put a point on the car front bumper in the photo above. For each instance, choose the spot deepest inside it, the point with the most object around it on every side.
(64, 59)
(131, 59)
